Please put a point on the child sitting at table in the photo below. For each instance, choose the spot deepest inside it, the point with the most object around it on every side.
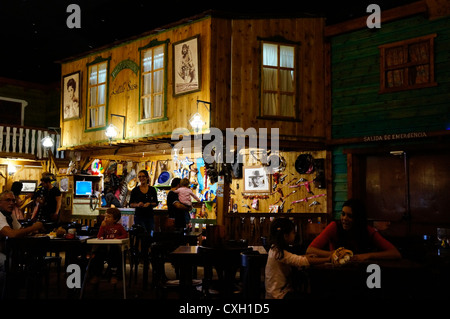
(109, 229)
(185, 193)
(279, 272)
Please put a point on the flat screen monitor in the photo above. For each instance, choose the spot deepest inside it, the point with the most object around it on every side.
(83, 188)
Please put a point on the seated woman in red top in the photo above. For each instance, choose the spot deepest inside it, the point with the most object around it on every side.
(353, 233)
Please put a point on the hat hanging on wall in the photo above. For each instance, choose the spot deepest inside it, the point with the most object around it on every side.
(304, 164)
(164, 178)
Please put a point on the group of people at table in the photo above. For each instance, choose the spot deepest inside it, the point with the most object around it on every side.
(348, 239)
(143, 199)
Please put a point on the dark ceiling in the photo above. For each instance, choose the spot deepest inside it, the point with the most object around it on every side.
(34, 34)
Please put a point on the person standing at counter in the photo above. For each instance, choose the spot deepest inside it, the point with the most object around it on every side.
(52, 204)
(353, 233)
(143, 198)
(177, 210)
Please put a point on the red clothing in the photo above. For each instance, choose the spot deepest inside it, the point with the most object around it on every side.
(329, 236)
(115, 231)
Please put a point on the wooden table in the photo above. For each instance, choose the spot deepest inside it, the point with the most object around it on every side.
(397, 278)
(187, 258)
(72, 247)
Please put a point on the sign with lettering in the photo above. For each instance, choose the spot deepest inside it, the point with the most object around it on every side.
(396, 136)
(124, 87)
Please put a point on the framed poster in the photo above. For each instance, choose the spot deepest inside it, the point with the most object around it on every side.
(28, 186)
(256, 180)
(71, 96)
(186, 68)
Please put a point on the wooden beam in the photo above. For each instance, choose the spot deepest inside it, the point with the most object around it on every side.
(4, 161)
(133, 151)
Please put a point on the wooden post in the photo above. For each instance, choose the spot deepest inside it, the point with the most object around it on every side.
(222, 204)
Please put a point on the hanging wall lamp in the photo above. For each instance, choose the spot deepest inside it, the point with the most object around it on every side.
(196, 120)
(112, 131)
(48, 141)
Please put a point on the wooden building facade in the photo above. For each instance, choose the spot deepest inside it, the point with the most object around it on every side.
(247, 73)
(230, 72)
(390, 117)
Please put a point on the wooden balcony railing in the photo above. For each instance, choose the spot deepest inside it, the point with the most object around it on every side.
(26, 141)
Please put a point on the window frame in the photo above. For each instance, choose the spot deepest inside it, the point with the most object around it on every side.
(150, 46)
(97, 61)
(405, 44)
(296, 90)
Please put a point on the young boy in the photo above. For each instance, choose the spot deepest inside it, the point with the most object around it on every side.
(109, 229)
(185, 193)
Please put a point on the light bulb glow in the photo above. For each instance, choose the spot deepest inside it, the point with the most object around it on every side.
(196, 122)
(47, 141)
(111, 131)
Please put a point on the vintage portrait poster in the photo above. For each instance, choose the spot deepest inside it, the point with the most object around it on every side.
(186, 59)
(256, 180)
(71, 96)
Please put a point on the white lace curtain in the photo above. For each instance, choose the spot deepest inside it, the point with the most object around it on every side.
(153, 83)
(97, 94)
(278, 69)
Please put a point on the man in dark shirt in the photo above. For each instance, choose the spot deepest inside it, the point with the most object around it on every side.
(52, 200)
(176, 209)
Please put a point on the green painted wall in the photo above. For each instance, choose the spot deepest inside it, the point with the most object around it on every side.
(359, 110)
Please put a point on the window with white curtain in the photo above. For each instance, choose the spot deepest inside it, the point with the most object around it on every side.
(96, 110)
(152, 83)
(278, 80)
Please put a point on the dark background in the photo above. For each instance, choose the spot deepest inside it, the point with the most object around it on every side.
(34, 34)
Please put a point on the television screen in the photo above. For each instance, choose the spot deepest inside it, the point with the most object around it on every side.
(83, 188)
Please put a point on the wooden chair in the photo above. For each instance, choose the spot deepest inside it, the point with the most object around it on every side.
(253, 265)
(139, 249)
(226, 261)
(162, 245)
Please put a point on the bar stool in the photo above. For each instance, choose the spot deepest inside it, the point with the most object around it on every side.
(138, 251)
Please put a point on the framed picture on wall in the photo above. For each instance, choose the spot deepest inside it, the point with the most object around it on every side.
(28, 186)
(256, 180)
(71, 96)
(186, 68)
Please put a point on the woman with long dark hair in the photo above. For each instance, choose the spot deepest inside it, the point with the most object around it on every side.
(143, 198)
(353, 233)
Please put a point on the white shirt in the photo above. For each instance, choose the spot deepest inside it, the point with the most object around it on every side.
(3, 222)
(278, 273)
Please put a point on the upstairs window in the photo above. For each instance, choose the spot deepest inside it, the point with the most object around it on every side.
(407, 64)
(153, 78)
(278, 88)
(97, 84)
(12, 111)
